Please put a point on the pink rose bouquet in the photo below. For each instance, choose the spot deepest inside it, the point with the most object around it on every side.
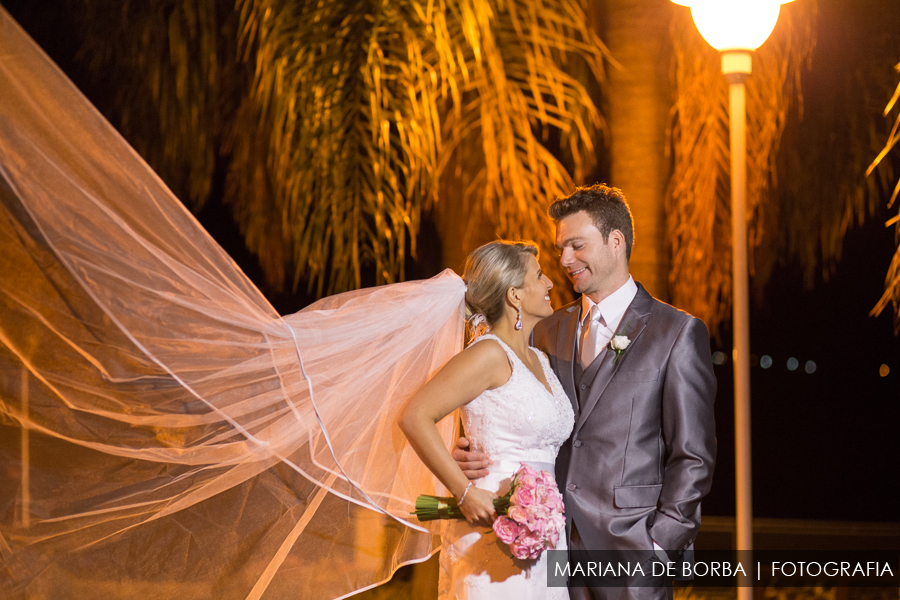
(534, 515)
(531, 518)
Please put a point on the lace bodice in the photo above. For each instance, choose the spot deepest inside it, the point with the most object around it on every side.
(520, 420)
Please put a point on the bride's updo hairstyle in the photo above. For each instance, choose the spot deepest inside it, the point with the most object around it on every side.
(490, 271)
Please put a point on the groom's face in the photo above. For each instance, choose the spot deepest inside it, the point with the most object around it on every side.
(587, 258)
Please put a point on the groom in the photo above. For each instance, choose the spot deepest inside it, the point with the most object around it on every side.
(642, 452)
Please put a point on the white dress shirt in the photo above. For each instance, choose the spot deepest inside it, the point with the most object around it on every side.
(611, 308)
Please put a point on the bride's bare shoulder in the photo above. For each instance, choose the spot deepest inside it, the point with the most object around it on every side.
(487, 349)
(486, 360)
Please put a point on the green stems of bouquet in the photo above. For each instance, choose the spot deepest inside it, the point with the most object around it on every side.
(431, 508)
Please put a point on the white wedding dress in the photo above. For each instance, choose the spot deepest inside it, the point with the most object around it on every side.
(519, 421)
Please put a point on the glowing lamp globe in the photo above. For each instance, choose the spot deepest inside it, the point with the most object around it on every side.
(734, 27)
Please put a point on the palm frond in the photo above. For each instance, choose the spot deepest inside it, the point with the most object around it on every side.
(336, 124)
(165, 69)
(369, 103)
(824, 193)
(773, 91)
(698, 201)
(891, 294)
(515, 95)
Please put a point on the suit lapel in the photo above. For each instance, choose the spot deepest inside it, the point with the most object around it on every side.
(632, 325)
(565, 343)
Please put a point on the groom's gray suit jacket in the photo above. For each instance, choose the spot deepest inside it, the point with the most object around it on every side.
(642, 453)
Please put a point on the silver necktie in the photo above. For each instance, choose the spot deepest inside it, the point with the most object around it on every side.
(590, 331)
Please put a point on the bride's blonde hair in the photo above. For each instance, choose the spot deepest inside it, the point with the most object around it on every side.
(490, 271)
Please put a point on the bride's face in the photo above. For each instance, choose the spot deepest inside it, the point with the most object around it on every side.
(535, 291)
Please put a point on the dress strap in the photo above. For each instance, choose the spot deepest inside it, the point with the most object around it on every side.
(513, 358)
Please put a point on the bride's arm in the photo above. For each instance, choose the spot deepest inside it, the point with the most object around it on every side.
(478, 368)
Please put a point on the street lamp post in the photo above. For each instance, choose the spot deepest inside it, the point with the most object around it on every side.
(736, 28)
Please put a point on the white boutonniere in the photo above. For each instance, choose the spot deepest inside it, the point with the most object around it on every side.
(619, 342)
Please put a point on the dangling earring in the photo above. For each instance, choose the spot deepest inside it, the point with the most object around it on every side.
(519, 319)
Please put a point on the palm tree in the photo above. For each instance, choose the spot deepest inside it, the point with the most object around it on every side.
(698, 200)
(338, 125)
(637, 100)
(166, 73)
(806, 152)
(666, 106)
(343, 121)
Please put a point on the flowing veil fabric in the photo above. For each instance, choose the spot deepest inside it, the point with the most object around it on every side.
(163, 431)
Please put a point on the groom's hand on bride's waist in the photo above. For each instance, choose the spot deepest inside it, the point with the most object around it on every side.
(473, 464)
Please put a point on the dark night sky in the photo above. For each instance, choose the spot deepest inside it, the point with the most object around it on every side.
(826, 444)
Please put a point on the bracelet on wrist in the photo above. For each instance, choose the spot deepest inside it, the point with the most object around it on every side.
(463, 497)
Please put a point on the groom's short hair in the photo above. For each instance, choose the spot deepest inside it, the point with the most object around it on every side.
(605, 205)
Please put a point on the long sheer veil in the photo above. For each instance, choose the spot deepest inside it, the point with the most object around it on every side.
(164, 432)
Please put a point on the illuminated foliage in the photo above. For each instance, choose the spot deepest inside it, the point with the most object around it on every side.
(167, 72)
(892, 281)
(369, 101)
(337, 123)
(699, 201)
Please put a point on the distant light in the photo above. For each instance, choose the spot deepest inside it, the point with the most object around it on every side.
(719, 358)
(810, 367)
(792, 364)
(884, 370)
(766, 361)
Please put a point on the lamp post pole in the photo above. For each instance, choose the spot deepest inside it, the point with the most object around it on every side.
(736, 67)
(736, 28)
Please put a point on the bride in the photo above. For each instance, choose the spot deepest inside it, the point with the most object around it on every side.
(165, 432)
(513, 407)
